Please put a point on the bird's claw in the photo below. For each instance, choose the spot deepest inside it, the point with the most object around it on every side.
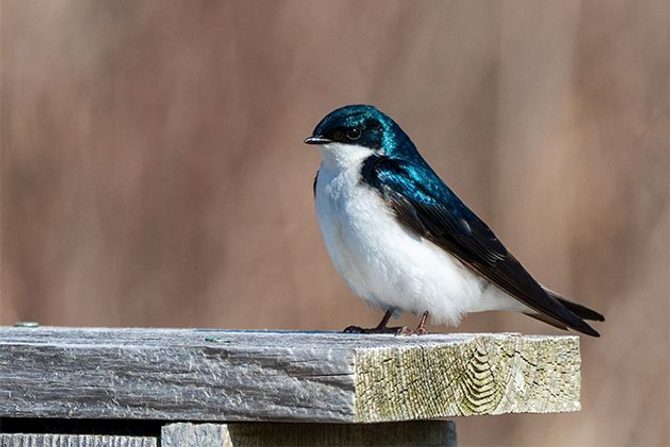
(405, 331)
(397, 330)
(421, 331)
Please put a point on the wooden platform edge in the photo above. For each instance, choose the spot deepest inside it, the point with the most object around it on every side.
(485, 375)
(256, 376)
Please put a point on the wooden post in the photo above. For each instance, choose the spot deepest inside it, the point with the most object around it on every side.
(296, 378)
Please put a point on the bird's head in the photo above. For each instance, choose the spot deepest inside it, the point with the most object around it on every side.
(357, 131)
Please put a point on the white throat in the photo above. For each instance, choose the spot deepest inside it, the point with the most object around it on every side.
(339, 156)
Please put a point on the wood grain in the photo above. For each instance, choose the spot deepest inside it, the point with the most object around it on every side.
(202, 375)
(52, 440)
(483, 375)
(400, 434)
(185, 434)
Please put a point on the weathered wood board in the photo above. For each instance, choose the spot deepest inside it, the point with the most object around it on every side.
(50, 440)
(207, 375)
(186, 434)
(399, 434)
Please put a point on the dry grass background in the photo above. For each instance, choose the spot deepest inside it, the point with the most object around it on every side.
(153, 172)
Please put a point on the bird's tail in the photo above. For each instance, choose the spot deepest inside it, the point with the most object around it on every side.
(581, 311)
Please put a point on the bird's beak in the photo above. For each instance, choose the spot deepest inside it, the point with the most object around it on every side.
(317, 139)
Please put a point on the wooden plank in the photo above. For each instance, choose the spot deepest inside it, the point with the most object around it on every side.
(261, 376)
(52, 440)
(185, 434)
(399, 434)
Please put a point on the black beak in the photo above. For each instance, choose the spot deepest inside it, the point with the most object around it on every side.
(317, 139)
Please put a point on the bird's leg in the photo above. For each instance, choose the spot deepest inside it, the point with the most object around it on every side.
(380, 329)
(420, 328)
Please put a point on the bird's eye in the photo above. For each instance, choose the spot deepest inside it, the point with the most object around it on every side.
(354, 133)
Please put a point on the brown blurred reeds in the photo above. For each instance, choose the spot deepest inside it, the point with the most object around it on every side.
(153, 172)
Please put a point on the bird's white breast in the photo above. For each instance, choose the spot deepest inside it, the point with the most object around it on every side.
(383, 261)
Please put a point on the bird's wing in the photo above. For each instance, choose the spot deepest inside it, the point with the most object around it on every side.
(425, 204)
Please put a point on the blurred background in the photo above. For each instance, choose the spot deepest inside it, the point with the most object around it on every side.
(153, 171)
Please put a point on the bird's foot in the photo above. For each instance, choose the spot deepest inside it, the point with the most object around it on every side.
(405, 331)
(420, 329)
(396, 330)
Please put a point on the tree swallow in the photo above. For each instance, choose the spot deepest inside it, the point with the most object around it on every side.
(404, 242)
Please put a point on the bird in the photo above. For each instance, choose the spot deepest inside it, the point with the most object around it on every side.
(403, 241)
